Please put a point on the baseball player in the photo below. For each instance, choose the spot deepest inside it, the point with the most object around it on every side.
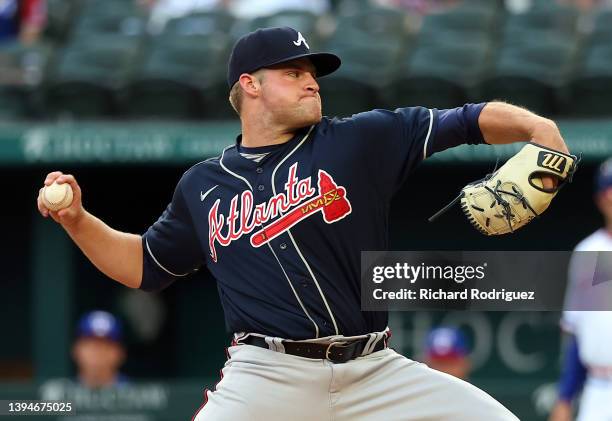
(279, 219)
(98, 352)
(446, 351)
(588, 359)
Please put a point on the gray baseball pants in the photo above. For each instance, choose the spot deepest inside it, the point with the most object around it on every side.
(263, 385)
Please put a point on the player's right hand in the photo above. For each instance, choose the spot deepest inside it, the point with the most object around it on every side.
(70, 215)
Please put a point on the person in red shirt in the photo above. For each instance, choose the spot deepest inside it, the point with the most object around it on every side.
(22, 19)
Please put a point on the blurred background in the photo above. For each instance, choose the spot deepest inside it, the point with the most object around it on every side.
(128, 94)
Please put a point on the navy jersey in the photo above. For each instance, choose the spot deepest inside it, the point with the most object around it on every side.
(283, 236)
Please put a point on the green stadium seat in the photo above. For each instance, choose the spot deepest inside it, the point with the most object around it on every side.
(469, 21)
(365, 68)
(602, 28)
(438, 76)
(539, 23)
(376, 23)
(102, 8)
(111, 22)
(22, 70)
(303, 21)
(531, 75)
(590, 89)
(200, 24)
(60, 15)
(180, 77)
(87, 79)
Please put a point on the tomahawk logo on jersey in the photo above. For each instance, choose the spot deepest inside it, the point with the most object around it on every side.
(298, 194)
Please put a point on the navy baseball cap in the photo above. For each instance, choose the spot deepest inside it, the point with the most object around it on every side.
(99, 324)
(446, 342)
(269, 46)
(603, 180)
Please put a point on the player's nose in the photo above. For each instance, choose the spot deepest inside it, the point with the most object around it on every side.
(311, 83)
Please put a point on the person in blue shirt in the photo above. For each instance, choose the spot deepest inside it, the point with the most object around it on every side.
(279, 219)
(98, 351)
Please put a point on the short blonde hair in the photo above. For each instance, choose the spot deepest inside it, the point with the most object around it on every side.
(235, 95)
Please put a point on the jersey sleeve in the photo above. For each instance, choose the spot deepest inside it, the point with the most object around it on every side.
(170, 246)
(395, 142)
(573, 374)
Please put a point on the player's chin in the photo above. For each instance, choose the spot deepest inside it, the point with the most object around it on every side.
(309, 116)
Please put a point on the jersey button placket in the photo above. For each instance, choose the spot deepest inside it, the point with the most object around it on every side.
(261, 187)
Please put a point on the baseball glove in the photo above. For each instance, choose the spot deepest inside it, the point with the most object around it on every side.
(512, 196)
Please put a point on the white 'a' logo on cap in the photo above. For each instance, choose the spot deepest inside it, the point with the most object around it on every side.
(301, 41)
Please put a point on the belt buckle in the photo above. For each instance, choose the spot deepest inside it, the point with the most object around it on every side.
(336, 344)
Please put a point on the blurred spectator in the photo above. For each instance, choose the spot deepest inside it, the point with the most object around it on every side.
(522, 6)
(161, 11)
(586, 5)
(22, 19)
(420, 7)
(250, 9)
(98, 351)
(446, 351)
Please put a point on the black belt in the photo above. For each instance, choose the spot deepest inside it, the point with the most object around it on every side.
(336, 352)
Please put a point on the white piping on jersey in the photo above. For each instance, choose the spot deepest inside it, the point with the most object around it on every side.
(233, 173)
(271, 249)
(159, 264)
(293, 240)
(295, 292)
(428, 134)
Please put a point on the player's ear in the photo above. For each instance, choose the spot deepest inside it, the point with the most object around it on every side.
(250, 84)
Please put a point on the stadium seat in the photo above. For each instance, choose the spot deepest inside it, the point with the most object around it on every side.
(467, 21)
(102, 8)
(303, 21)
(200, 24)
(376, 23)
(180, 77)
(365, 67)
(602, 28)
(22, 70)
(111, 22)
(590, 89)
(87, 79)
(539, 23)
(440, 76)
(531, 75)
(60, 14)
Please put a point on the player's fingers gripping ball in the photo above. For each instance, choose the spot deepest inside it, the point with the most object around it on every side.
(514, 195)
(57, 196)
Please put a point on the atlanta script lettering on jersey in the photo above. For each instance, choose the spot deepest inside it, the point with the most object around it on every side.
(244, 219)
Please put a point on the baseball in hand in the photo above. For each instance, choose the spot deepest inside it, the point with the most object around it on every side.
(57, 196)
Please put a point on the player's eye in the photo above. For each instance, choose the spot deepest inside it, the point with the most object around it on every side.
(293, 73)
